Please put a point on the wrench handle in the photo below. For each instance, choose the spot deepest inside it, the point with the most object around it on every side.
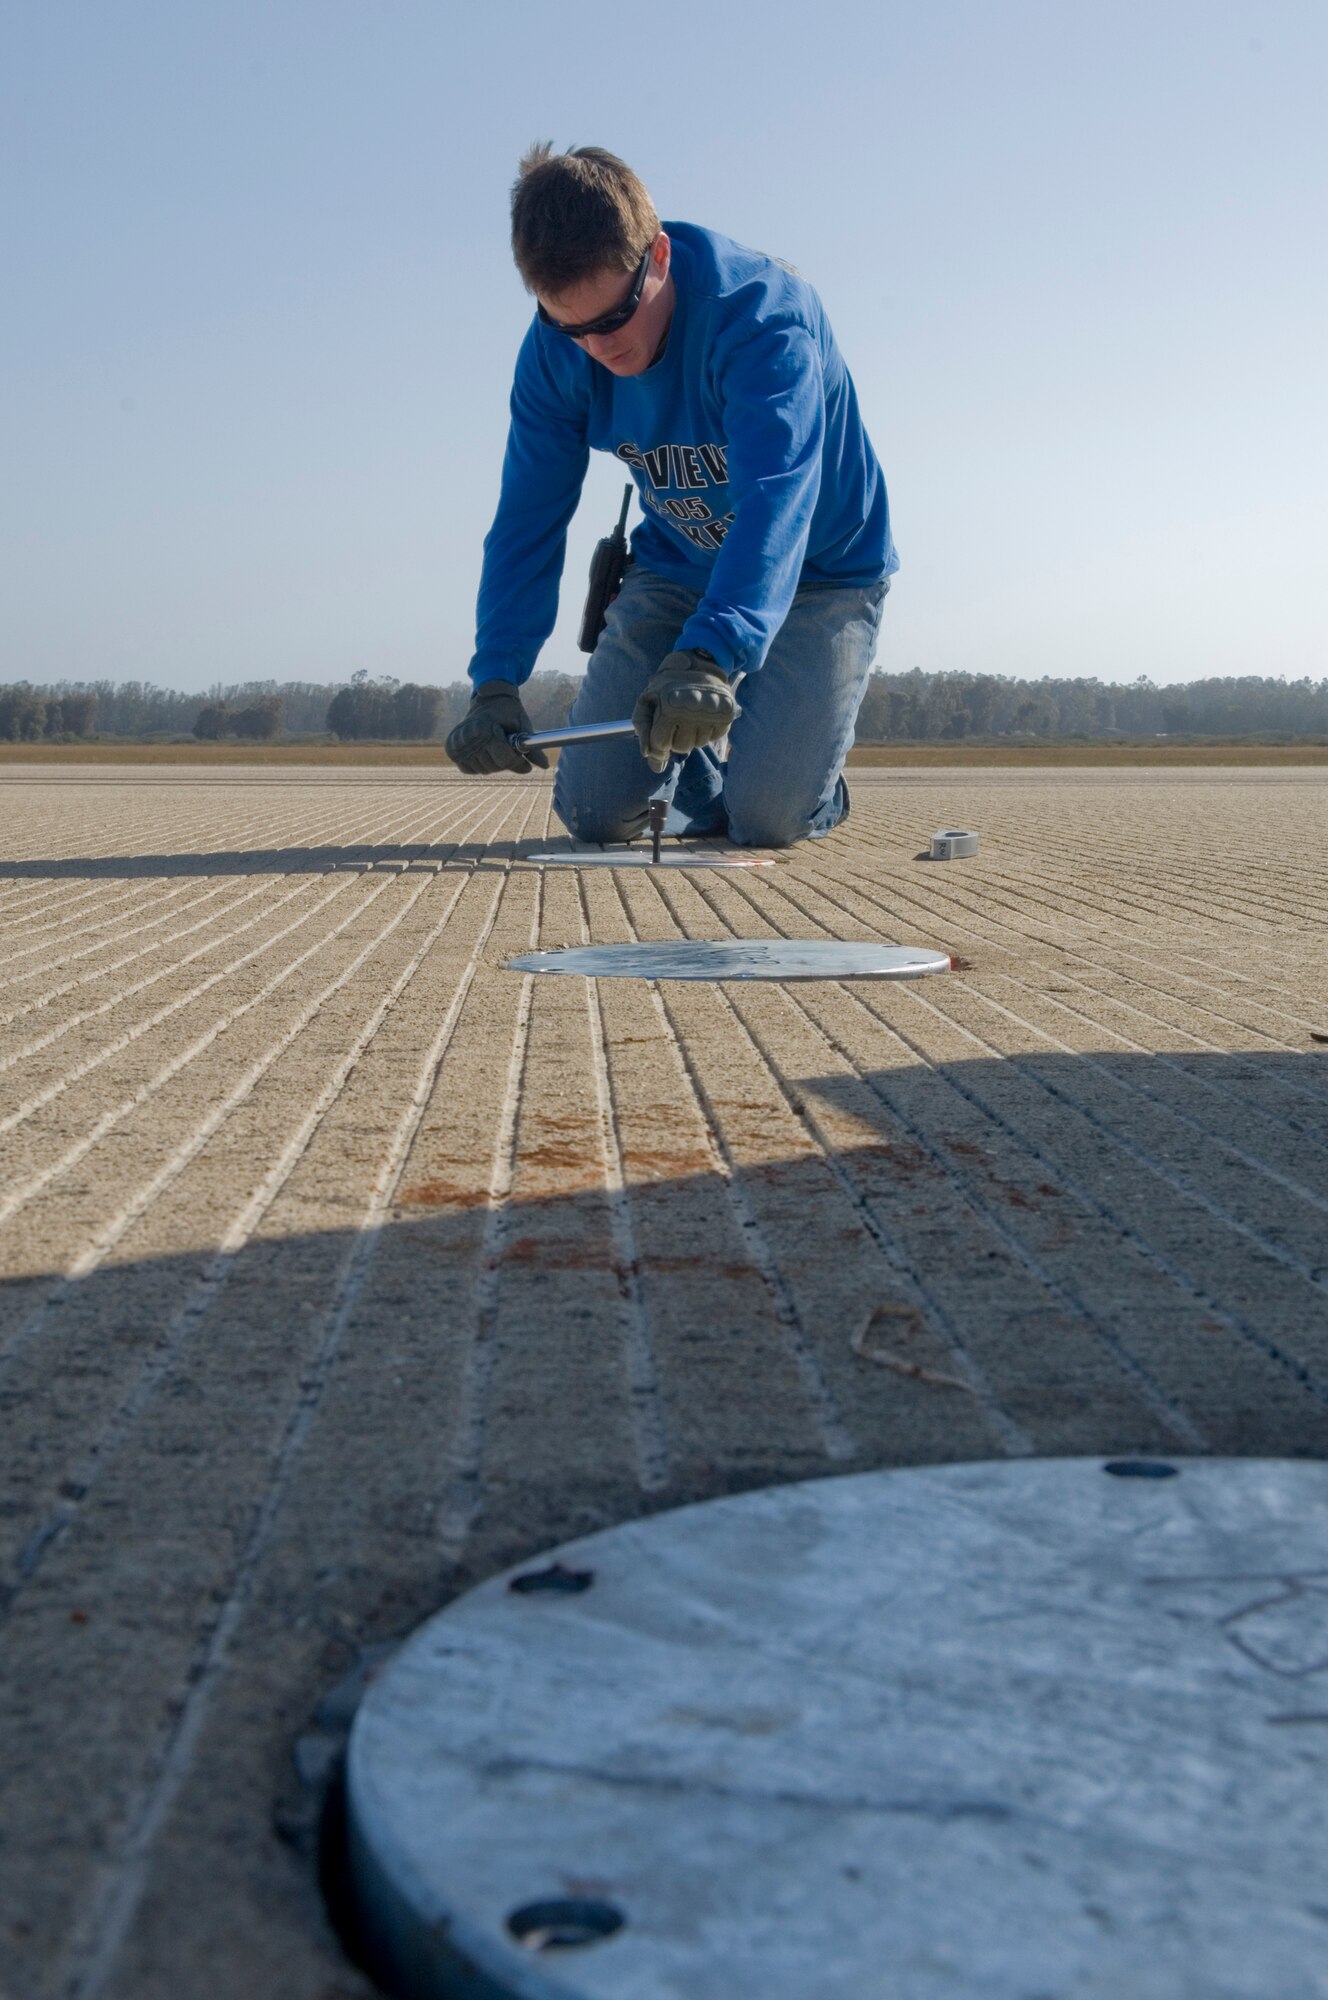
(585, 732)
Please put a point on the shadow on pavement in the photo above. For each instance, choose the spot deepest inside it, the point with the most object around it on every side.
(476, 854)
(229, 1478)
(1061, 1219)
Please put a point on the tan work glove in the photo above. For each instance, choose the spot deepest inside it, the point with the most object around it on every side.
(482, 742)
(687, 702)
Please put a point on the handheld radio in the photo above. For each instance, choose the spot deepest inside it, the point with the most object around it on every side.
(606, 575)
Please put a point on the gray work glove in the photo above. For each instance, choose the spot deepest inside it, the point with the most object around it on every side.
(482, 741)
(686, 703)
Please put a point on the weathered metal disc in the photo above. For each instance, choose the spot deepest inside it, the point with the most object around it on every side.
(1011, 1729)
(635, 857)
(736, 958)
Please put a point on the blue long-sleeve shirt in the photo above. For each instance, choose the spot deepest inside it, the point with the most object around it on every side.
(753, 468)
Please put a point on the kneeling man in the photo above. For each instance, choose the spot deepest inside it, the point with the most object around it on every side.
(743, 634)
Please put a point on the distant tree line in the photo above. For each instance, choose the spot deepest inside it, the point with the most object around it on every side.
(31, 715)
(402, 711)
(259, 721)
(138, 709)
(913, 707)
(369, 709)
(949, 707)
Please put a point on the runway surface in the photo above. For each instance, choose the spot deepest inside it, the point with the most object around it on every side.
(344, 1267)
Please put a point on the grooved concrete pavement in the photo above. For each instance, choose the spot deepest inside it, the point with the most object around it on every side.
(343, 1267)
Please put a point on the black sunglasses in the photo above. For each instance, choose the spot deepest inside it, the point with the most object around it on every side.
(610, 322)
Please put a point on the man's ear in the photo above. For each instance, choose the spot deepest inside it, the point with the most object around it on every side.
(661, 253)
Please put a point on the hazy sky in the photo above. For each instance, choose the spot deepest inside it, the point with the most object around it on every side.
(260, 316)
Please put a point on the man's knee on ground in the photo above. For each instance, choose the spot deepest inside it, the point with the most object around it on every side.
(764, 818)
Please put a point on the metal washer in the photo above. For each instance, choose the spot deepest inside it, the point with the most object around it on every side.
(1053, 1727)
(953, 844)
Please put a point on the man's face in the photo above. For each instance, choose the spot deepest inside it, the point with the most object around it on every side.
(630, 349)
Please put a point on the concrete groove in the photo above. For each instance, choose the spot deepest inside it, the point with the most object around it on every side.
(1176, 1421)
(1109, 941)
(27, 1191)
(91, 1959)
(1162, 1405)
(1146, 908)
(650, 1429)
(837, 1440)
(1177, 1182)
(118, 1043)
(1227, 887)
(460, 1493)
(1015, 1438)
(79, 1479)
(202, 1043)
(161, 896)
(1111, 944)
(1174, 1271)
(1172, 1063)
(90, 951)
(92, 1254)
(67, 907)
(461, 1490)
(104, 972)
(1029, 849)
(116, 1228)
(1024, 860)
(1296, 1188)
(79, 1020)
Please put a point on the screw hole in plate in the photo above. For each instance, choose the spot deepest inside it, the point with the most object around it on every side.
(1140, 1468)
(564, 1924)
(557, 1577)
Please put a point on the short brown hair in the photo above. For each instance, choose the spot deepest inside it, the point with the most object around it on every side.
(576, 214)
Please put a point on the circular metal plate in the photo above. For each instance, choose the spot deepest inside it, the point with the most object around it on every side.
(736, 958)
(1016, 1729)
(638, 858)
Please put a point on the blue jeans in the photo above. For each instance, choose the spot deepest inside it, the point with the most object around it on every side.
(782, 780)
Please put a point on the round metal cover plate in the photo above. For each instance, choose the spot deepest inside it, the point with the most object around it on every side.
(636, 858)
(736, 958)
(1016, 1729)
